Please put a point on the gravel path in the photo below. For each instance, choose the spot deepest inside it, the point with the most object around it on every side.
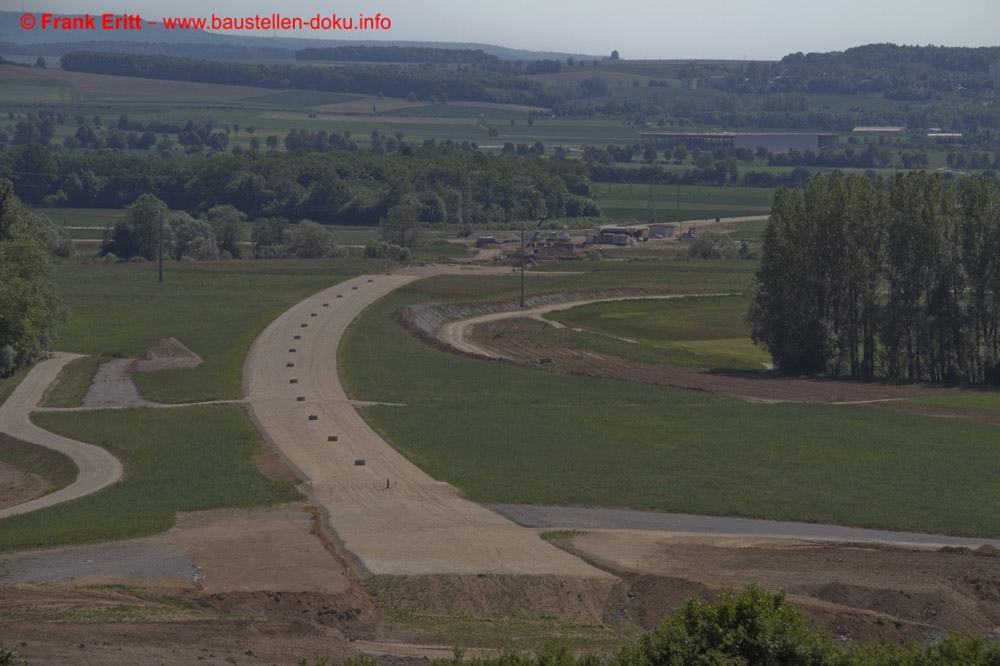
(112, 386)
(455, 333)
(562, 517)
(98, 468)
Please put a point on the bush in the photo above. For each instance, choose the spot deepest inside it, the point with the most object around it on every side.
(750, 627)
(10, 658)
(381, 249)
(713, 246)
(309, 240)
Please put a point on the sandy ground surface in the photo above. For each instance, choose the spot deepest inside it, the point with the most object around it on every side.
(855, 591)
(233, 586)
(98, 468)
(392, 517)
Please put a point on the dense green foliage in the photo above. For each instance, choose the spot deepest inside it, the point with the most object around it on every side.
(752, 627)
(28, 310)
(897, 279)
(393, 82)
(346, 188)
(193, 460)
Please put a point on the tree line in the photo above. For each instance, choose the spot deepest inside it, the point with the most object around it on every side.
(447, 185)
(28, 306)
(893, 279)
(441, 86)
(411, 54)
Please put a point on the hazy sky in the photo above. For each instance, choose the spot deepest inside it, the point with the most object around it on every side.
(670, 29)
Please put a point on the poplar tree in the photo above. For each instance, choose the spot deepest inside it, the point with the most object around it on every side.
(896, 279)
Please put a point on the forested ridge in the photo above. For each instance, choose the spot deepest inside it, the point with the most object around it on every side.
(343, 188)
(945, 87)
(369, 80)
(896, 279)
(414, 54)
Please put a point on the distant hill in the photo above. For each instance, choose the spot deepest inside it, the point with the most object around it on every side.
(155, 39)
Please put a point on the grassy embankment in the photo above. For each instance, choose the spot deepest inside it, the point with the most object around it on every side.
(705, 333)
(195, 460)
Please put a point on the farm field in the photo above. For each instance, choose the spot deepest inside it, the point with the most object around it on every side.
(700, 333)
(669, 449)
(278, 112)
(215, 309)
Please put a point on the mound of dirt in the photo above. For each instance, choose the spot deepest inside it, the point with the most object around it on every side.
(167, 354)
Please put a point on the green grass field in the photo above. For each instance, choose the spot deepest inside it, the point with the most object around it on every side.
(686, 202)
(704, 333)
(195, 459)
(598, 442)
(215, 308)
(72, 383)
(981, 400)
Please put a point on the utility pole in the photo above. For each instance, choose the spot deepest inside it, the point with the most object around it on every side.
(522, 264)
(161, 245)
(651, 201)
(534, 233)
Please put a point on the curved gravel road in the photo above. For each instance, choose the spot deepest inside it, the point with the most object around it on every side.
(98, 468)
(455, 333)
(389, 515)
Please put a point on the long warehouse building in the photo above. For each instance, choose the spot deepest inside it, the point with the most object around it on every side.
(775, 142)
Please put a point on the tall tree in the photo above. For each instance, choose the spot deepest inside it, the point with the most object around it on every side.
(228, 224)
(401, 226)
(28, 308)
(137, 234)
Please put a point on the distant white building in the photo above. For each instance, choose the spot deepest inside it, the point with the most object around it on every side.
(883, 129)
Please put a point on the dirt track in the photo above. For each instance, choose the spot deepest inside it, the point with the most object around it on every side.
(475, 335)
(98, 468)
(392, 517)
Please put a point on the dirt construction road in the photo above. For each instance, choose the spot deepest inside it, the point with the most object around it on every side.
(98, 468)
(456, 333)
(389, 515)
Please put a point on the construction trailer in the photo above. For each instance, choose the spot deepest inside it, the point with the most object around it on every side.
(662, 230)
